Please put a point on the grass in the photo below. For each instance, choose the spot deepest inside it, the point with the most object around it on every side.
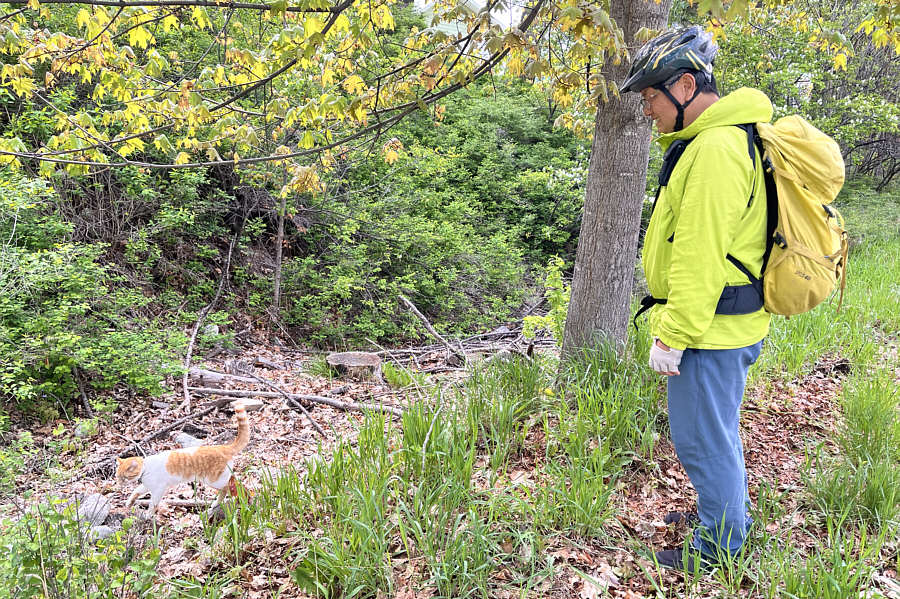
(862, 479)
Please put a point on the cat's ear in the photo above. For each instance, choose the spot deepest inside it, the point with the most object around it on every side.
(118, 460)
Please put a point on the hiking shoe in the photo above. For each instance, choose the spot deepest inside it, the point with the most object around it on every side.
(689, 518)
(676, 559)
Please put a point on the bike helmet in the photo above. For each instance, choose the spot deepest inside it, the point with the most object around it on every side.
(662, 59)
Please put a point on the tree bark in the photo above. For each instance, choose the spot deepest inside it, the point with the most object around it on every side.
(616, 182)
(279, 241)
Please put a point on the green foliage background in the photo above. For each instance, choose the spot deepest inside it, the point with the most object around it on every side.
(103, 273)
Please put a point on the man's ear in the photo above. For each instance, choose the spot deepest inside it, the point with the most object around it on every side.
(690, 84)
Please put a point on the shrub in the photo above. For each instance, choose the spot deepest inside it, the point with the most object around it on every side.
(61, 316)
(48, 552)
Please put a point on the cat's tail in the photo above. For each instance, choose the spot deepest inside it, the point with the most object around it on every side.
(243, 434)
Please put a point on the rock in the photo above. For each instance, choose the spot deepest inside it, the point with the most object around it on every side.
(186, 440)
(211, 330)
(93, 509)
(263, 363)
(252, 404)
(101, 532)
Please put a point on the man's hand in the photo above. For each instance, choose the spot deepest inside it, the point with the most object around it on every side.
(664, 359)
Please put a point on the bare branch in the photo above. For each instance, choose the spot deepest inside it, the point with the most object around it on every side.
(185, 3)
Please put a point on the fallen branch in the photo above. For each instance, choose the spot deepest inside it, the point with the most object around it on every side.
(431, 330)
(288, 397)
(347, 406)
(196, 503)
(205, 376)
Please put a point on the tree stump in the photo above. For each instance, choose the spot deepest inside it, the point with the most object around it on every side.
(356, 365)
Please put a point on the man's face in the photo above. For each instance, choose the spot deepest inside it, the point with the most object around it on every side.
(659, 108)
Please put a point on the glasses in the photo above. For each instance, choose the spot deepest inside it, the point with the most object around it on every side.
(645, 102)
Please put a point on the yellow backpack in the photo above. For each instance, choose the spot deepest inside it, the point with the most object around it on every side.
(808, 243)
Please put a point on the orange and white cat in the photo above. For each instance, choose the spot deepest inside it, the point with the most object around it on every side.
(210, 464)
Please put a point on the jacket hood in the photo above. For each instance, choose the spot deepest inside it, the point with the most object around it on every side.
(744, 105)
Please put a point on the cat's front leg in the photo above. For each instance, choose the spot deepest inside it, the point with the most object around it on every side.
(141, 489)
(154, 502)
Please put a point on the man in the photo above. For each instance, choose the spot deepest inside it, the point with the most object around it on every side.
(707, 320)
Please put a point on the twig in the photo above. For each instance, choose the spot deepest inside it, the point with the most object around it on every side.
(180, 502)
(139, 449)
(186, 404)
(349, 406)
(431, 330)
(533, 308)
(286, 396)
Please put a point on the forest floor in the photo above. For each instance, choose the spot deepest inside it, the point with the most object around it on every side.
(780, 422)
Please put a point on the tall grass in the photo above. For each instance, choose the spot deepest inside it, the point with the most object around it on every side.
(614, 398)
(502, 401)
(863, 479)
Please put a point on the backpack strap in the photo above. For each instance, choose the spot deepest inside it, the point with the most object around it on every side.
(735, 299)
(754, 142)
(647, 302)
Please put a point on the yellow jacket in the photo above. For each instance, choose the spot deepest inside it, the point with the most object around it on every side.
(701, 216)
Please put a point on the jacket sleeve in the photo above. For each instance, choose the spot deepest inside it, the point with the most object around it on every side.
(716, 193)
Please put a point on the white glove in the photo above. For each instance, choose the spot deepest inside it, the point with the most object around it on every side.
(664, 361)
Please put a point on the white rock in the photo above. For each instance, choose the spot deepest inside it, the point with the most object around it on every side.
(101, 532)
(94, 509)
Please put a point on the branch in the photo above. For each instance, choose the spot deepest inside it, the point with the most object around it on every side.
(431, 330)
(376, 129)
(187, 359)
(347, 406)
(336, 12)
(287, 396)
(177, 3)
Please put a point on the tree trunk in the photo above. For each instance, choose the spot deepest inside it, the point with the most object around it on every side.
(616, 181)
(279, 242)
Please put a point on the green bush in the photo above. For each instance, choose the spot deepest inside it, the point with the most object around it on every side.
(454, 224)
(416, 242)
(63, 315)
(48, 552)
(13, 458)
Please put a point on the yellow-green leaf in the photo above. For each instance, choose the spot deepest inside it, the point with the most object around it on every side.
(83, 17)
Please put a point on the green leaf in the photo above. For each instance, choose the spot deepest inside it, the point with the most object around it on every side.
(737, 8)
(711, 7)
